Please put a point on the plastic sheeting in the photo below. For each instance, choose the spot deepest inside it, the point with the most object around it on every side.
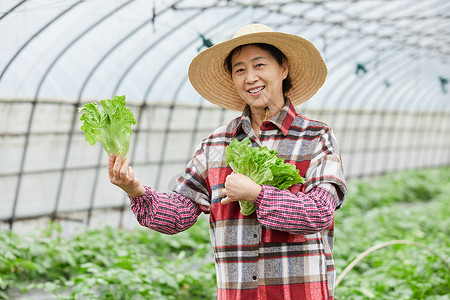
(386, 95)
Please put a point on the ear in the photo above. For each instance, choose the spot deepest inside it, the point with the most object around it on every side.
(285, 68)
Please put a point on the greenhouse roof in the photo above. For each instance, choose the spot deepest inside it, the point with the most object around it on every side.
(76, 51)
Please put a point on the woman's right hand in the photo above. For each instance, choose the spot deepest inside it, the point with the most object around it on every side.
(122, 175)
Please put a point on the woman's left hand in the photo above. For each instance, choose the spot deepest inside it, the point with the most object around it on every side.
(240, 187)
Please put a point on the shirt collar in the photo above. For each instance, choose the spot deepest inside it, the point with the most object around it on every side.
(283, 119)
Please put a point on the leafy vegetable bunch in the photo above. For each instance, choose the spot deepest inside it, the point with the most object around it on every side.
(110, 126)
(262, 166)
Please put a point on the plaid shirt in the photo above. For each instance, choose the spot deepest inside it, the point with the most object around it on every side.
(284, 250)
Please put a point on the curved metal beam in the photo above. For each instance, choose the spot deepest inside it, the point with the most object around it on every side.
(12, 9)
(392, 95)
(33, 109)
(35, 35)
(361, 98)
(142, 107)
(177, 90)
(101, 19)
(397, 126)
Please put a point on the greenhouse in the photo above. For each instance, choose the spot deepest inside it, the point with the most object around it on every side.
(386, 96)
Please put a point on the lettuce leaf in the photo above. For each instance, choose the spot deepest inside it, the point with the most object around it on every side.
(262, 166)
(110, 126)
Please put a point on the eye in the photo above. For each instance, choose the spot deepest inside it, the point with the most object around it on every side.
(240, 70)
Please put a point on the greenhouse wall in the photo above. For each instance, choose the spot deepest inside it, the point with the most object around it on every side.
(62, 174)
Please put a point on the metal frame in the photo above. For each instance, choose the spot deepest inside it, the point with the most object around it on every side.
(347, 96)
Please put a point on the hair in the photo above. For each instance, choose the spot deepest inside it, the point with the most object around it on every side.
(273, 51)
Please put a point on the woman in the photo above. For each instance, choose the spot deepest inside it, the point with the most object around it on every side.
(284, 249)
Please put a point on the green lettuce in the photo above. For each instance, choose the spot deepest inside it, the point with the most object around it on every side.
(110, 126)
(262, 166)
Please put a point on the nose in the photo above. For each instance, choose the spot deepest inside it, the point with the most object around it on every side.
(252, 76)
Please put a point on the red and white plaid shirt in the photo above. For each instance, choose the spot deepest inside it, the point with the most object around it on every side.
(284, 250)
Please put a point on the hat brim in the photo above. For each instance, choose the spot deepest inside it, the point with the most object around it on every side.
(212, 81)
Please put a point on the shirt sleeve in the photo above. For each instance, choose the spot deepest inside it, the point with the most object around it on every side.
(312, 209)
(167, 213)
(325, 169)
(297, 213)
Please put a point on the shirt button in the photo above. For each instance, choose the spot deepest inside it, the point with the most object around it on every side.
(255, 236)
(254, 277)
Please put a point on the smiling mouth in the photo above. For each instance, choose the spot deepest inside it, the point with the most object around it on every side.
(255, 90)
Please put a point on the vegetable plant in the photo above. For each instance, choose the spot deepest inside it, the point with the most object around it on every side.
(110, 126)
(110, 263)
(262, 166)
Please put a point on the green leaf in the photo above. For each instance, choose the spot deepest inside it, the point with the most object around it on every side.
(3, 284)
(3, 295)
(262, 166)
(110, 126)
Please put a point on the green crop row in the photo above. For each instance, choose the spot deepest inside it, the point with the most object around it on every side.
(109, 263)
(409, 205)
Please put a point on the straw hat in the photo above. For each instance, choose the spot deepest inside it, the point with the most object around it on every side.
(213, 82)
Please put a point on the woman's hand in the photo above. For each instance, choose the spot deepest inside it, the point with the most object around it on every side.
(240, 187)
(122, 175)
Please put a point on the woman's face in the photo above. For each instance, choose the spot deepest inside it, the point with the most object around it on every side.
(258, 77)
